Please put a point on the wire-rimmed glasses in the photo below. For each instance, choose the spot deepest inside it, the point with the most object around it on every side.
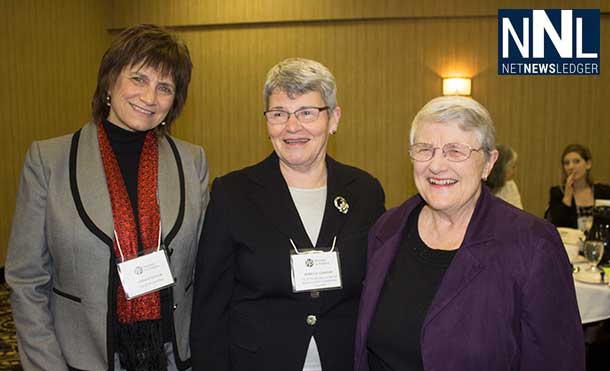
(304, 115)
(454, 152)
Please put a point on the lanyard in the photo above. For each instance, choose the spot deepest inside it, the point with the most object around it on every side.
(118, 244)
(299, 253)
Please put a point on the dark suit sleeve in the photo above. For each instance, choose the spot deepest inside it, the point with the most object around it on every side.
(213, 286)
(559, 213)
(551, 333)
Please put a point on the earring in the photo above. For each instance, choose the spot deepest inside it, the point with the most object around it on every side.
(333, 132)
(108, 100)
(163, 123)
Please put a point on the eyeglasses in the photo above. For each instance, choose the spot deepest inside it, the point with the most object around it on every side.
(303, 115)
(454, 152)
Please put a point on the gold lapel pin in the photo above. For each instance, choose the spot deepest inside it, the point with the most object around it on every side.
(341, 204)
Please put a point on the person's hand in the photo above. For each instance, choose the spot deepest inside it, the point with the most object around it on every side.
(568, 192)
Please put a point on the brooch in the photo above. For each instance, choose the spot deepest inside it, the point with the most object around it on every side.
(341, 204)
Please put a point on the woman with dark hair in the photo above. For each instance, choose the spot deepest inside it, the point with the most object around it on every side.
(571, 204)
(500, 180)
(105, 230)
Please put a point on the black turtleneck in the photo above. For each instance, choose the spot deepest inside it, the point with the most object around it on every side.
(127, 147)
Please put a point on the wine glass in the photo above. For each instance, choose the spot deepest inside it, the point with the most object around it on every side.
(594, 250)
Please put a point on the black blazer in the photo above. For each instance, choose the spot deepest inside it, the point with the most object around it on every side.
(565, 216)
(245, 315)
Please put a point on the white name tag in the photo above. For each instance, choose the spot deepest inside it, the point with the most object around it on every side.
(314, 271)
(145, 274)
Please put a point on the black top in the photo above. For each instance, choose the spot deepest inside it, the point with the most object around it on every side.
(566, 216)
(408, 291)
(127, 147)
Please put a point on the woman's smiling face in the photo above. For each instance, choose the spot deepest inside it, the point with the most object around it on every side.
(140, 98)
(298, 145)
(450, 187)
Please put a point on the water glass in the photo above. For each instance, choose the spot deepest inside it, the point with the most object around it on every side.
(594, 250)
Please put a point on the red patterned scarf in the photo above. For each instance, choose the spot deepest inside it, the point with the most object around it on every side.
(145, 307)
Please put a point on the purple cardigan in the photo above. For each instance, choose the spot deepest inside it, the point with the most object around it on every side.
(506, 302)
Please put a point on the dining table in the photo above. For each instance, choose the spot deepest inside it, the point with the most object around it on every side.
(593, 298)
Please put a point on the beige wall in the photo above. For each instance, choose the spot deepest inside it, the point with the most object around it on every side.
(388, 58)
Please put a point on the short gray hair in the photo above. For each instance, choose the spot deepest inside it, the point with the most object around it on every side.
(467, 112)
(297, 76)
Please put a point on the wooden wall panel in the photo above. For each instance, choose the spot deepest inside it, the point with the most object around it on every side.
(188, 13)
(49, 67)
(386, 70)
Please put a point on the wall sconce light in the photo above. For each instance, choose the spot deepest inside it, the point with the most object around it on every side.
(457, 86)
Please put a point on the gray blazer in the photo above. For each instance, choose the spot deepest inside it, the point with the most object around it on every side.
(60, 259)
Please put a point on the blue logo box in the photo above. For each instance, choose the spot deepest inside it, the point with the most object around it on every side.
(548, 42)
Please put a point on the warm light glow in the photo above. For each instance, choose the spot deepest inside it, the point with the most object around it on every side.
(456, 86)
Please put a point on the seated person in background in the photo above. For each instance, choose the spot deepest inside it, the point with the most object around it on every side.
(571, 204)
(500, 180)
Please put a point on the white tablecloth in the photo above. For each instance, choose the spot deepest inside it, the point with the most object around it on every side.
(593, 301)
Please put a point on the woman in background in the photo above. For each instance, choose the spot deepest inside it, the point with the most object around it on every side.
(571, 204)
(500, 180)
(118, 190)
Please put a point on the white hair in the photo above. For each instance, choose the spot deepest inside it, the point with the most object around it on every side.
(466, 112)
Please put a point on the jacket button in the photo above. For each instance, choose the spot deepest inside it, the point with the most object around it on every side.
(311, 320)
(314, 294)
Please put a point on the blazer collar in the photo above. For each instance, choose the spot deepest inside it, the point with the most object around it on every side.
(468, 262)
(479, 229)
(470, 259)
(272, 197)
(93, 191)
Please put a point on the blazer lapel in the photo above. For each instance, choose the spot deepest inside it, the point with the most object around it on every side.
(469, 260)
(460, 274)
(384, 242)
(333, 220)
(90, 175)
(169, 188)
(91, 181)
(272, 197)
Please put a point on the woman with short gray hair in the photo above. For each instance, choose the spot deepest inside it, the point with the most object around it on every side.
(457, 279)
(270, 290)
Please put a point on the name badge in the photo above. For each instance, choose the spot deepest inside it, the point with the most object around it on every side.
(315, 271)
(145, 274)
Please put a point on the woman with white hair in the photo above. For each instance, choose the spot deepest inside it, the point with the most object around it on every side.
(458, 279)
(270, 291)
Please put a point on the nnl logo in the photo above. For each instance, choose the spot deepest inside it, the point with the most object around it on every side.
(548, 42)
